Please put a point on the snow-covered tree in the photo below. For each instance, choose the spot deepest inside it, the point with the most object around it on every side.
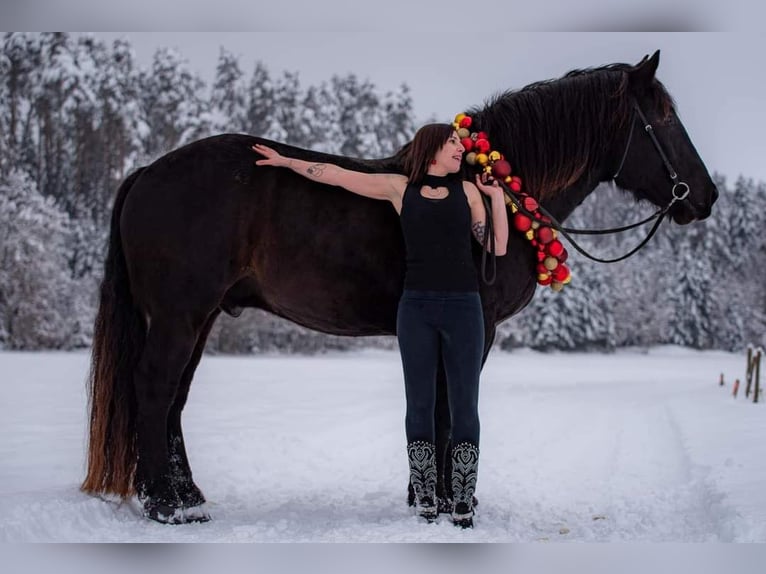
(260, 115)
(359, 115)
(36, 291)
(577, 319)
(173, 104)
(228, 97)
(396, 126)
(288, 113)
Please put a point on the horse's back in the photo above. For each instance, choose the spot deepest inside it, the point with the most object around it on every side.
(204, 223)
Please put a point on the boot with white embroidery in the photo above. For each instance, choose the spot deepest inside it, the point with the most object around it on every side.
(422, 459)
(465, 464)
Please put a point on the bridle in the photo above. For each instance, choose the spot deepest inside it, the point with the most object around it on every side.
(649, 130)
(680, 192)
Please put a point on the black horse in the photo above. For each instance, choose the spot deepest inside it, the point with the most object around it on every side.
(203, 230)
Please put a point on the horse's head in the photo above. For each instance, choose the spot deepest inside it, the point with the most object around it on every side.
(645, 165)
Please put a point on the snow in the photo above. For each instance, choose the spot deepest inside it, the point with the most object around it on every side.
(635, 446)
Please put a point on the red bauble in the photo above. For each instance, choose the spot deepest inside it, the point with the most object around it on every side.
(521, 222)
(540, 256)
(482, 136)
(467, 144)
(564, 255)
(541, 269)
(501, 169)
(561, 272)
(515, 186)
(546, 281)
(545, 235)
(530, 203)
(482, 145)
(465, 122)
(555, 248)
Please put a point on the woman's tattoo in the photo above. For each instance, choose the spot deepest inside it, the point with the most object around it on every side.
(479, 229)
(316, 170)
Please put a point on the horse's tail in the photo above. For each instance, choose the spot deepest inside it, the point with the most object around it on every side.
(118, 339)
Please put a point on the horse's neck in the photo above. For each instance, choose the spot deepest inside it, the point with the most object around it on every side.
(566, 201)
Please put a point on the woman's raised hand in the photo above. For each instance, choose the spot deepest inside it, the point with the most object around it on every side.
(272, 156)
(488, 185)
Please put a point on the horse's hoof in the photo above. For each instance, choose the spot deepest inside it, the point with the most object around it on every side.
(166, 514)
(163, 513)
(191, 497)
(196, 513)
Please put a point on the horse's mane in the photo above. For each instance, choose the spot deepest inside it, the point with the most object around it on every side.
(555, 131)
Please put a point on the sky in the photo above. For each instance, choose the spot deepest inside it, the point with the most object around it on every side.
(714, 77)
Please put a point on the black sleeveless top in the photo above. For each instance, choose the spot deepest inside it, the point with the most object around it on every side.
(437, 237)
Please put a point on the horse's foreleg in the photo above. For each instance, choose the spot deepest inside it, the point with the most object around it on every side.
(169, 346)
(181, 475)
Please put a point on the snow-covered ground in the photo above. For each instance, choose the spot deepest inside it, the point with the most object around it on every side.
(632, 446)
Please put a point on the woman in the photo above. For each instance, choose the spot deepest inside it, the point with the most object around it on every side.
(440, 307)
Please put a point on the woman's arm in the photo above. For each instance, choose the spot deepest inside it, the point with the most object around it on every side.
(499, 213)
(388, 186)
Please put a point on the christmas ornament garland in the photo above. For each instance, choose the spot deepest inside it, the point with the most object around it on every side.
(551, 253)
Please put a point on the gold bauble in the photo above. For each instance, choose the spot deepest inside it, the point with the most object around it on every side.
(550, 263)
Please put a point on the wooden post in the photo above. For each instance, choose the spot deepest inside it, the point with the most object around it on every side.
(736, 388)
(757, 377)
(749, 371)
(721, 383)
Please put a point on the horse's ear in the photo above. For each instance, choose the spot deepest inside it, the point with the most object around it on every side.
(643, 73)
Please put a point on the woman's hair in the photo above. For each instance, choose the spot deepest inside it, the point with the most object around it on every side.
(427, 141)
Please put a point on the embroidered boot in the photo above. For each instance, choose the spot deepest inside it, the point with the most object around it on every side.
(422, 459)
(465, 464)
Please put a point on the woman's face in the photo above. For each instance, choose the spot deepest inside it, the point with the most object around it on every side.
(450, 154)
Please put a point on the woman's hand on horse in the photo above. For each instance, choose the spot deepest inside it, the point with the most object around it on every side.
(272, 156)
(488, 185)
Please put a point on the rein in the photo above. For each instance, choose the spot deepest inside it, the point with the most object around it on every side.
(567, 232)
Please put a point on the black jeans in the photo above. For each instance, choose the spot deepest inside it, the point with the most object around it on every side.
(430, 322)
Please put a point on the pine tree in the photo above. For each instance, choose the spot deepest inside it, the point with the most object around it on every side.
(315, 123)
(5, 116)
(228, 98)
(287, 124)
(36, 301)
(122, 125)
(260, 115)
(23, 60)
(397, 125)
(358, 116)
(691, 323)
(577, 319)
(172, 102)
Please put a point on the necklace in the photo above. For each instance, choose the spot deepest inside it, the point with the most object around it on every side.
(551, 254)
